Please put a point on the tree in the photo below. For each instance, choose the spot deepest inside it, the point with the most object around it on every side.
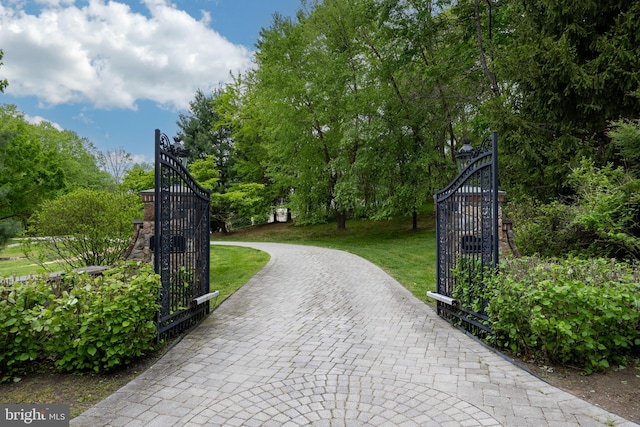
(3, 83)
(78, 157)
(307, 93)
(419, 59)
(139, 178)
(363, 95)
(567, 72)
(86, 227)
(31, 169)
(203, 135)
(204, 170)
(8, 229)
(625, 135)
(241, 201)
(40, 162)
(116, 162)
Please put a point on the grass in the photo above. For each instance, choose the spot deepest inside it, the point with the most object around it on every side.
(407, 255)
(14, 262)
(233, 266)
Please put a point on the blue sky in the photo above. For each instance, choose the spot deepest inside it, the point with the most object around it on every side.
(114, 71)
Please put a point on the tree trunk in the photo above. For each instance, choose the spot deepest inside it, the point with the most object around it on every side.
(483, 59)
(341, 220)
(415, 219)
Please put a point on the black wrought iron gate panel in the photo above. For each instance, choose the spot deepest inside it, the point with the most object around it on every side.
(182, 247)
(467, 214)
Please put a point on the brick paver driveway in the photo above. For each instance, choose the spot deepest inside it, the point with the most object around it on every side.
(322, 337)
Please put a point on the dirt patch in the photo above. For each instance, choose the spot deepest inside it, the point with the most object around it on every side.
(617, 389)
(80, 392)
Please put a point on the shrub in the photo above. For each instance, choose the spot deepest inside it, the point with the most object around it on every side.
(469, 289)
(86, 227)
(79, 323)
(546, 230)
(580, 312)
(22, 326)
(600, 221)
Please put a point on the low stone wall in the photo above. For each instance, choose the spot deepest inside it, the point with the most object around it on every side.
(93, 271)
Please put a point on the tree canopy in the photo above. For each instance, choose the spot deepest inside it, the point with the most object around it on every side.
(39, 163)
(355, 108)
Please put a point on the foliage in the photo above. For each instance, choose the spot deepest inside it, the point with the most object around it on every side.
(470, 289)
(205, 171)
(8, 229)
(608, 207)
(355, 108)
(86, 227)
(578, 312)
(40, 162)
(344, 93)
(3, 82)
(602, 220)
(79, 323)
(241, 201)
(31, 173)
(545, 229)
(567, 71)
(79, 158)
(204, 134)
(626, 137)
(138, 178)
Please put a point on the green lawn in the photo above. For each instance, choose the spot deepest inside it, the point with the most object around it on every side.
(19, 265)
(407, 255)
(231, 267)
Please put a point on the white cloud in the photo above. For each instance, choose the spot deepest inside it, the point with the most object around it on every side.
(38, 120)
(103, 53)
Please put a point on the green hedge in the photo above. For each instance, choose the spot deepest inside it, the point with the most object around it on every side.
(79, 323)
(580, 312)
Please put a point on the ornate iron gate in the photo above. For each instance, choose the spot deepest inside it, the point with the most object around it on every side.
(467, 214)
(181, 241)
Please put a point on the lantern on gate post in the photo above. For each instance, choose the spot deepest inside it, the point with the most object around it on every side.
(179, 150)
(465, 155)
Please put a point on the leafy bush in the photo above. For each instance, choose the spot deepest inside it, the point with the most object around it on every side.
(545, 229)
(86, 227)
(21, 330)
(80, 323)
(608, 207)
(579, 312)
(601, 220)
(625, 135)
(469, 288)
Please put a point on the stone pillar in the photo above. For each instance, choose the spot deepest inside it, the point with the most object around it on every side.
(140, 247)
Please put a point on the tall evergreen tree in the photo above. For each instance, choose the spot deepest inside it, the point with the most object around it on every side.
(570, 68)
(203, 137)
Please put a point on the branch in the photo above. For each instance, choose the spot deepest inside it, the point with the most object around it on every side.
(483, 60)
